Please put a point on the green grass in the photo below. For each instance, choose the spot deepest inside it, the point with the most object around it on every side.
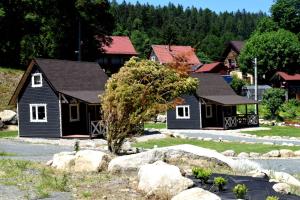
(218, 146)
(277, 131)
(155, 125)
(4, 134)
(9, 78)
(3, 153)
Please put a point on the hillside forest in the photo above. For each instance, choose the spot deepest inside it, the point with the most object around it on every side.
(55, 29)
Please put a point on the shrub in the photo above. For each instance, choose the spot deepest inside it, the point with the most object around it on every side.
(272, 198)
(290, 110)
(273, 99)
(237, 84)
(220, 182)
(240, 191)
(202, 174)
(76, 146)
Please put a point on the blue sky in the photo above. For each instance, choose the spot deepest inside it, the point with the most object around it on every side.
(216, 5)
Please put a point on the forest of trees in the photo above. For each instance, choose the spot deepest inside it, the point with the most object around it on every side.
(203, 29)
(49, 29)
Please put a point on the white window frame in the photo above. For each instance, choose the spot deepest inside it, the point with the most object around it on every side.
(70, 114)
(35, 106)
(153, 58)
(206, 109)
(183, 117)
(32, 80)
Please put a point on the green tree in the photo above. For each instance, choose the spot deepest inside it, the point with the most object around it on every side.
(287, 14)
(276, 50)
(237, 84)
(266, 25)
(139, 91)
(142, 43)
(273, 99)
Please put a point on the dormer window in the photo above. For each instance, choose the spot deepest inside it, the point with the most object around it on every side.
(153, 58)
(36, 80)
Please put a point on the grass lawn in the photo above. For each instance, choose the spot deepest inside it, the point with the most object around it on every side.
(4, 134)
(277, 131)
(155, 125)
(218, 146)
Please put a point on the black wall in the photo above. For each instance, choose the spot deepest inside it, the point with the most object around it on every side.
(193, 122)
(31, 95)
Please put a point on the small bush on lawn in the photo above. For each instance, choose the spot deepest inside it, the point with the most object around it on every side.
(202, 174)
(220, 182)
(272, 198)
(240, 191)
(76, 146)
(290, 110)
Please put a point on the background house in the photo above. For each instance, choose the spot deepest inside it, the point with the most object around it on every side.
(289, 82)
(58, 98)
(213, 106)
(114, 55)
(215, 67)
(165, 54)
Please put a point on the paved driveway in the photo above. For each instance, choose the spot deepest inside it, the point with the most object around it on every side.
(33, 152)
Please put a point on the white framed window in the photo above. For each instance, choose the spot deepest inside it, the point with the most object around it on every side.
(153, 58)
(74, 112)
(37, 80)
(208, 111)
(38, 112)
(183, 112)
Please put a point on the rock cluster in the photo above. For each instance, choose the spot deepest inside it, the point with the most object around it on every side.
(8, 117)
(283, 153)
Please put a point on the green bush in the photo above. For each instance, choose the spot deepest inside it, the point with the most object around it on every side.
(290, 110)
(272, 198)
(240, 191)
(273, 99)
(237, 84)
(202, 174)
(220, 182)
(76, 146)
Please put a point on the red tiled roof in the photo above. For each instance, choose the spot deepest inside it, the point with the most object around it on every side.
(166, 53)
(289, 77)
(120, 45)
(208, 67)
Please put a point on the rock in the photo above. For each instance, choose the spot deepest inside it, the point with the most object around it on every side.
(7, 115)
(258, 174)
(254, 155)
(243, 155)
(126, 146)
(161, 118)
(1, 124)
(282, 177)
(162, 179)
(286, 153)
(91, 161)
(268, 143)
(207, 139)
(49, 162)
(273, 153)
(230, 153)
(282, 188)
(297, 153)
(196, 194)
(63, 160)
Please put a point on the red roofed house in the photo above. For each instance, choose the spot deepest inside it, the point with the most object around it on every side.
(216, 67)
(115, 54)
(290, 82)
(166, 53)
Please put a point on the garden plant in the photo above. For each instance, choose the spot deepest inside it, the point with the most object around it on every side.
(240, 191)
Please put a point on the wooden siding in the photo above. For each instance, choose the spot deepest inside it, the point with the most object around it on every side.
(193, 122)
(45, 95)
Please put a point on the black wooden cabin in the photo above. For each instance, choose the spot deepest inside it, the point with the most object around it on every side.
(59, 98)
(213, 106)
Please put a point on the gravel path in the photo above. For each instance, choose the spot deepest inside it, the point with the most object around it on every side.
(232, 136)
(32, 152)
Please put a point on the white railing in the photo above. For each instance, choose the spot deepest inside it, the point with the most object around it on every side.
(97, 128)
(240, 121)
(230, 122)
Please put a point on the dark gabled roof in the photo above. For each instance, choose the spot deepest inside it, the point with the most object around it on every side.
(81, 80)
(213, 87)
(237, 45)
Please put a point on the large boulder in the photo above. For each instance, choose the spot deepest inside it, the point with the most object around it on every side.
(162, 179)
(282, 177)
(135, 161)
(230, 153)
(273, 153)
(85, 160)
(282, 188)
(196, 194)
(63, 160)
(8, 116)
(91, 161)
(286, 153)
